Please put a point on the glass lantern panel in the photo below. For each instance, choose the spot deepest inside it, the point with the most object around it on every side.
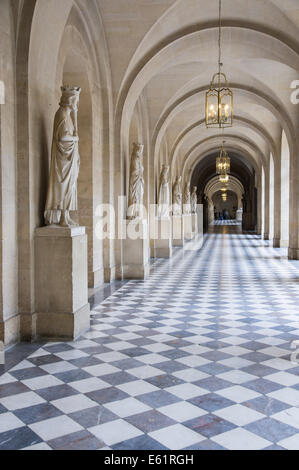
(226, 107)
(212, 108)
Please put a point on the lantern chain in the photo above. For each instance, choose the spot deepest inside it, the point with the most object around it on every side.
(220, 36)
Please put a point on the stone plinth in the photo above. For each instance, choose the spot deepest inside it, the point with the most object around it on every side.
(187, 226)
(10, 330)
(194, 224)
(61, 284)
(163, 238)
(177, 230)
(136, 250)
(284, 244)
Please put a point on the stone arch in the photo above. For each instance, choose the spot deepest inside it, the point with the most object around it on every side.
(238, 119)
(74, 68)
(235, 143)
(230, 205)
(138, 133)
(266, 101)
(234, 185)
(135, 78)
(9, 309)
(37, 90)
(159, 52)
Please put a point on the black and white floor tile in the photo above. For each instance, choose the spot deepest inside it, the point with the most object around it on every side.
(196, 357)
(227, 222)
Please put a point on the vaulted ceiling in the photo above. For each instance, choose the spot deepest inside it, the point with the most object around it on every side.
(169, 53)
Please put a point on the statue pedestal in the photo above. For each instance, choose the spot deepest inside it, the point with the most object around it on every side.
(61, 284)
(177, 230)
(194, 223)
(163, 237)
(188, 226)
(136, 250)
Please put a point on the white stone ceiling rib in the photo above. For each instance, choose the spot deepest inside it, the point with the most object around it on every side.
(170, 53)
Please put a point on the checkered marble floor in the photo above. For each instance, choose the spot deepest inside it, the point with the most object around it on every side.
(197, 357)
(226, 222)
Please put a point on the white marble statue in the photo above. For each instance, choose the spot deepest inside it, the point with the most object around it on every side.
(65, 161)
(194, 200)
(136, 185)
(187, 199)
(177, 197)
(163, 208)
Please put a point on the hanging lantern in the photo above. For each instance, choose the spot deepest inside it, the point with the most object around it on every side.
(224, 197)
(224, 178)
(219, 103)
(219, 98)
(223, 162)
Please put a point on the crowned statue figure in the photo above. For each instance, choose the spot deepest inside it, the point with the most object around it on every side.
(194, 200)
(187, 199)
(163, 208)
(65, 161)
(177, 197)
(136, 184)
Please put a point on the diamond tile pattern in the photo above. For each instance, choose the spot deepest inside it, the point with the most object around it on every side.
(196, 357)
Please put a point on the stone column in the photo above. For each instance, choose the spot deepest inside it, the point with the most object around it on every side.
(277, 203)
(177, 230)
(136, 250)
(61, 283)
(188, 234)
(265, 235)
(194, 224)
(293, 251)
(259, 205)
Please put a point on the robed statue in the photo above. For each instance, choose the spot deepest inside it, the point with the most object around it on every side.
(177, 197)
(194, 200)
(163, 208)
(187, 199)
(136, 184)
(65, 161)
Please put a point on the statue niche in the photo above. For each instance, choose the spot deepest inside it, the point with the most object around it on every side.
(177, 197)
(163, 208)
(194, 200)
(65, 161)
(187, 199)
(136, 184)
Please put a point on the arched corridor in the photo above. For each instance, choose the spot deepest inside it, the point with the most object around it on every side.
(195, 357)
(149, 224)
